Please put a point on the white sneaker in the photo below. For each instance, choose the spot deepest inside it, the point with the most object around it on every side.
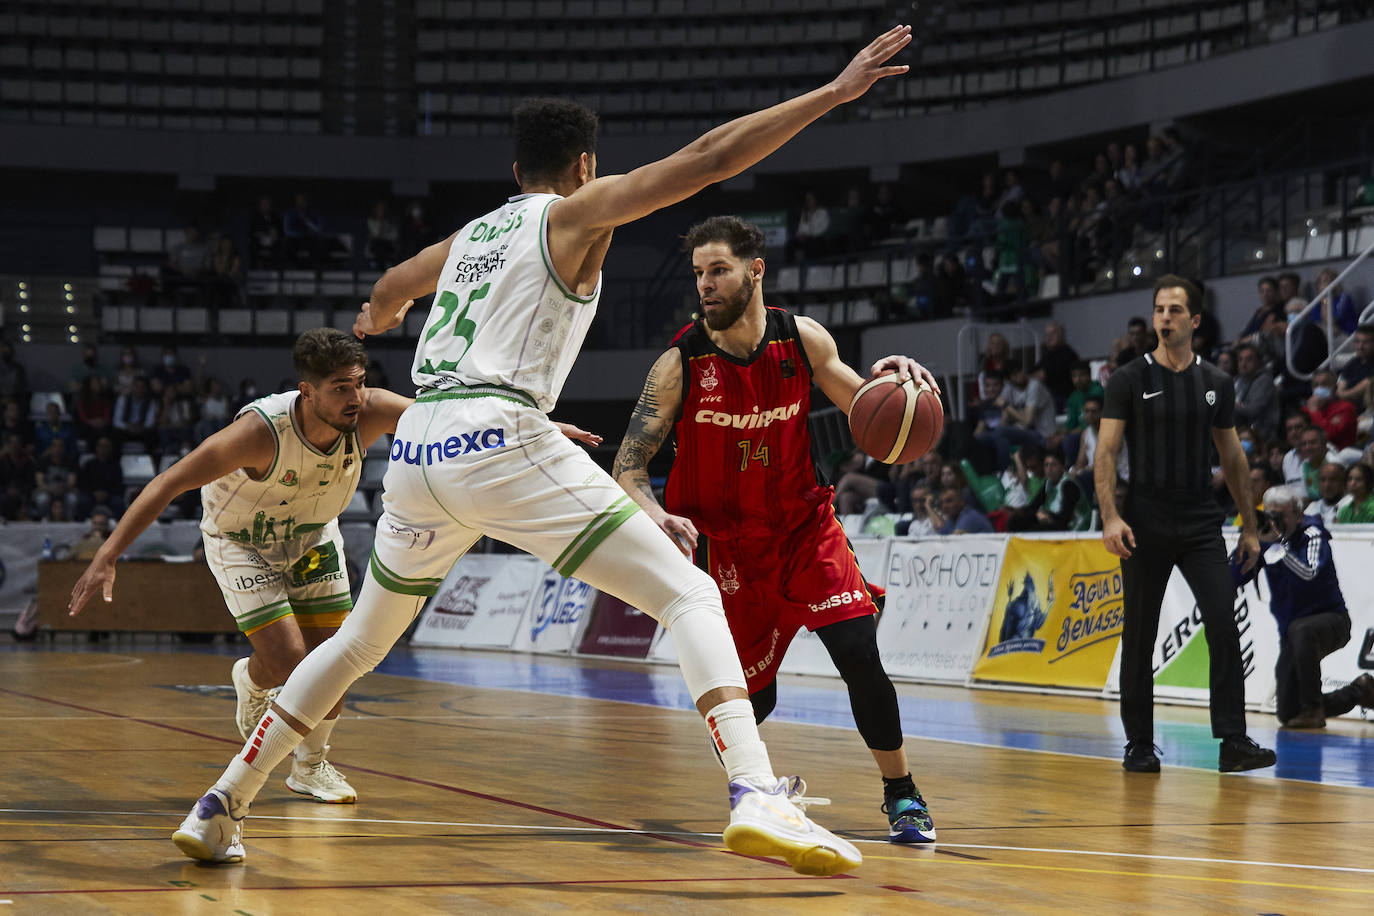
(209, 833)
(796, 792)
(319, 779)
(765, 822)
(252, 702)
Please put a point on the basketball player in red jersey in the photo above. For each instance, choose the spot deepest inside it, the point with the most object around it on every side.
(743, 491)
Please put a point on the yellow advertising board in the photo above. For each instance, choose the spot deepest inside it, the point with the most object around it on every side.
(1056, 620)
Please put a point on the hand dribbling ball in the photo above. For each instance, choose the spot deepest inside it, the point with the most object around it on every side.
(895, 421)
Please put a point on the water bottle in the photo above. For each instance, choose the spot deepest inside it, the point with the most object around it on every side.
(47, 548)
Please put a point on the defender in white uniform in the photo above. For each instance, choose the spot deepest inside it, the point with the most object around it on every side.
(273, 483)
(476, 454)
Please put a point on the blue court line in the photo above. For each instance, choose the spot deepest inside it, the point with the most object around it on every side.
(1343, 755)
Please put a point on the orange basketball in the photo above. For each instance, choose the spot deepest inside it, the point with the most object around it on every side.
(895, 421)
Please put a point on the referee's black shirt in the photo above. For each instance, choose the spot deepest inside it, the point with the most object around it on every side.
(1169, 420)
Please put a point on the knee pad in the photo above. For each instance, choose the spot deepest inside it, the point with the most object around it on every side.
(705, 649)
(699, 593)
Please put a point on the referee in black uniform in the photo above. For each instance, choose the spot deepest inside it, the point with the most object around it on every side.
(1170, 407)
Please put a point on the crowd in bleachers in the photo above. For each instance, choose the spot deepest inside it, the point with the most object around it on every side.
(1021, 458)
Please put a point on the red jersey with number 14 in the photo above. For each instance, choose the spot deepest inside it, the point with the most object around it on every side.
(743, 466)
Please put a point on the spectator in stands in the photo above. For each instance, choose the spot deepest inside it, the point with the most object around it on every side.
(248, 392)
(1102, 170)
(376, 376)
(975, 216)
(170, 373)
(135, 415)
(85, 547)
(1060, 504)
(1087, 228)
(1257, 400)
(916, 523)
(1087, 446)
(176, 418)
(1012, 191)
(885, 217)
(1013, 264)
(265, 233)
(129, 369)
(859, 477)
(1116, 227)
(1309, 350)
(54, 428)
(1354, 383)
(416, 231)
(1269, 304)
(954, 516)
(951, 284)
(1295, 423)
(212, 409)
(17, 473)
(14, 378)
(1336, 302)
(997, 358)
(1032, 403)
(1129, 173)
(1315, 452)
(1359, 488)
(383, 237)
(90, 367)
(303, 231)
(226, 272)
(1176, 160)
(846, 223)
(1058, 183)
(101, 478)
(1136, 342)
(1057, 359)
(54, 480)
(811, 237)
(15, 421)
(1305, 599)
(1042, 245)
(1262, 477)
(1080, 374)
(1337, 418)
(1021, 481)
(188, 262)
(93, 409)
(1331, 496)
(1226, 361)
(1290, 288)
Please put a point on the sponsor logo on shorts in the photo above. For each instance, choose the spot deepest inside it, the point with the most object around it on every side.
(767, 660)
(481, 440)
(753, 420)
(854, 597)
(729, 578)
(253, 583)
(319, 564)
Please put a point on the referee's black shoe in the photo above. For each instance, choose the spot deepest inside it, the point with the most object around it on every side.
(1140, 758)
(1239, 752)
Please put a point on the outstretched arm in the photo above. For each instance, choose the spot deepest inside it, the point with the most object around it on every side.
(396, 290)
(839, 382)
(245, 443)
(381, 411)
(650, 424)
(723, 152)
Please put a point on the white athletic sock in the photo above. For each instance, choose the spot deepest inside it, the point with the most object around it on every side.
(268, 746)
(313, 745)
(737, 739)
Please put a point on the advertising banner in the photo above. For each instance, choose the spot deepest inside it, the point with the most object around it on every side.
(938, 594)
(1056, 615)
(481, 602)
(617, 629)
(554, 615)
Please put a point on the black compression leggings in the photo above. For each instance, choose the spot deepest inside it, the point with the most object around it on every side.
(853, 647)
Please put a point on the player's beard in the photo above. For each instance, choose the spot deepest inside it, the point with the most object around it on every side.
(732, 308)
(342, 423)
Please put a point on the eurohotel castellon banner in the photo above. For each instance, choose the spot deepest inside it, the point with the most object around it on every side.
(1056, 615)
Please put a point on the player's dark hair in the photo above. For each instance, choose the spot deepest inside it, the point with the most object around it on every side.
(745, 239)
(1094, 399)
(320, 352)
(549, 136)
(1190, 289)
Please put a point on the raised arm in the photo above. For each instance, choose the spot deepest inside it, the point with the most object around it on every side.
(723, 152)
(396, 290)
(245, 443)
(650, 424)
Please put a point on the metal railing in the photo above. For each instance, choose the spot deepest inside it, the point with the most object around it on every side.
(1332, 351)
(970, 340)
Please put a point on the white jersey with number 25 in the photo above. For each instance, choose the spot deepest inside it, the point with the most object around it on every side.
(501, 315)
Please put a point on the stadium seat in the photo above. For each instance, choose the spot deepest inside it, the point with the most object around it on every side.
(138, 469)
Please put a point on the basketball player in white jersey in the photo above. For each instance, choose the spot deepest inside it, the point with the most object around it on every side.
(272, 485)
(477, 454)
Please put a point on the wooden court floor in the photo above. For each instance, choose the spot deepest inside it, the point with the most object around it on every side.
(482, 800)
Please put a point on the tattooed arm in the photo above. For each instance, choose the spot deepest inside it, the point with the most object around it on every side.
(649, 427)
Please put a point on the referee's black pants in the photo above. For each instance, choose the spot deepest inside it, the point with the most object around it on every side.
(1185, 533)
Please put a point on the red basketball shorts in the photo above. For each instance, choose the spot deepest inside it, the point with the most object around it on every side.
(773, 588)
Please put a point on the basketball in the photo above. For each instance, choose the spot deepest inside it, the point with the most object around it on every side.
(895, 421)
